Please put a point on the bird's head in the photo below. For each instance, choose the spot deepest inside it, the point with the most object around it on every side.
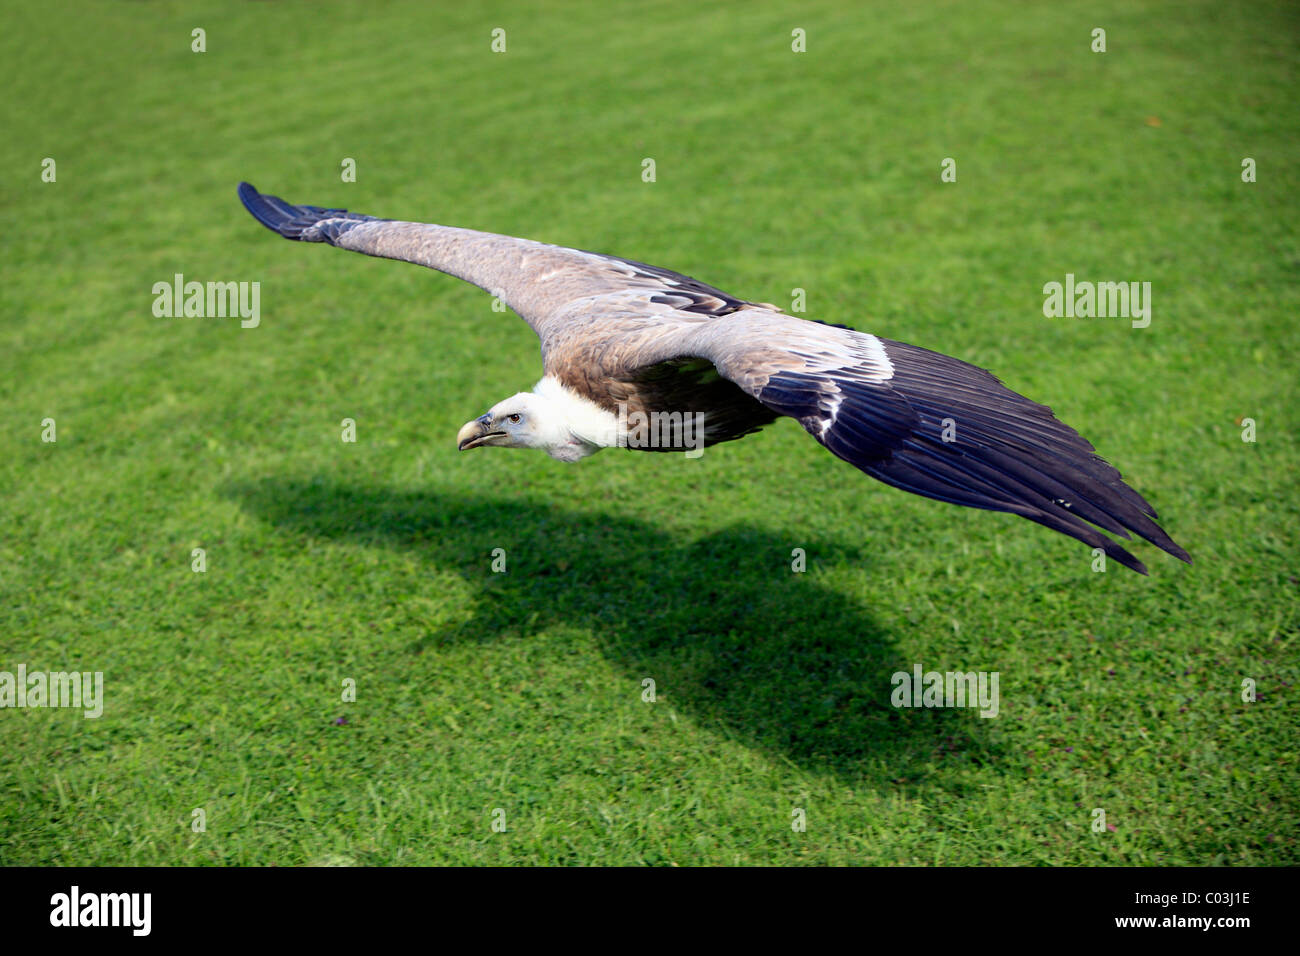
(525, 420)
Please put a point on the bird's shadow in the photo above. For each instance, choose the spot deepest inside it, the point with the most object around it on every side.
(727, 630)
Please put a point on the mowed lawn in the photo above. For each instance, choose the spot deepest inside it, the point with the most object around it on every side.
(518, 697)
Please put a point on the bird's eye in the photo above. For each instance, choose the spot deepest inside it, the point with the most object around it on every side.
(514, 419)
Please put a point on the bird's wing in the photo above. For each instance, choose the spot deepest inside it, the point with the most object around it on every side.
(535, 279)
(923, 422)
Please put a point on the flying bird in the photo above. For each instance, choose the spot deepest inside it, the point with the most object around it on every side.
(625, 344)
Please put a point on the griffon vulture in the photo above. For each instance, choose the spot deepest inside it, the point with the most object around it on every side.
(625, 343)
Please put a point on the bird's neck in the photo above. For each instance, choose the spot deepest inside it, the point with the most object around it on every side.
(585, 426)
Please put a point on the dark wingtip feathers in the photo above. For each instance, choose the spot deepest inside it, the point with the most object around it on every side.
(302, 223)
(1008, 453)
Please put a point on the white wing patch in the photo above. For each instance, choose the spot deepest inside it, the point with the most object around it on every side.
(832, 413)
(878, 357)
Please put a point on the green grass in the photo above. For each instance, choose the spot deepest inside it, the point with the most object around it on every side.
(522, 691)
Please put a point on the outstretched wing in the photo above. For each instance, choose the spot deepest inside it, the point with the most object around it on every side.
(929, 424)
(535, 279)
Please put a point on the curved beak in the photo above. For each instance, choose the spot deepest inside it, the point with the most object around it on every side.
(476, 433)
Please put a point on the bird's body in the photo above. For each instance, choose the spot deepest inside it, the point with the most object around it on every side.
(625, 343)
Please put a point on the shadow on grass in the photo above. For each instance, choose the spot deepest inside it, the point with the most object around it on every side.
(721, 623)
